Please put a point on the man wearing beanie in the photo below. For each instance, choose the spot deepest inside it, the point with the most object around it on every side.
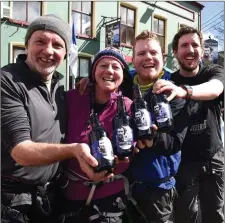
(33, 125)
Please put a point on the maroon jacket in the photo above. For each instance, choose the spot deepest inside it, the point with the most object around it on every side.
(78, 113)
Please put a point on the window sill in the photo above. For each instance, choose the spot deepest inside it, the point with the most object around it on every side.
(17, 22)
(126, 45)
(83, 36)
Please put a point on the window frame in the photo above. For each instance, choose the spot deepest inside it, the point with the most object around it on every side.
(130, 7)
(92, 33)
(78, 78)
(14, 45)
(165, 49)
(21, 22)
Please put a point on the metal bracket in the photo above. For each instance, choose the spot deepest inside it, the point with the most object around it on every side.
(108, 22)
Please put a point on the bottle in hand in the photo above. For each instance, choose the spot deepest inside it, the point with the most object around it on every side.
(122, 131)
(162, 113)
(141, 116)
(101, 147)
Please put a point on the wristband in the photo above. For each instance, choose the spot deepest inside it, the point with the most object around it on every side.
(188, 89)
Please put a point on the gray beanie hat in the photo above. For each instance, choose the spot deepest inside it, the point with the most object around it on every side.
(52, 23)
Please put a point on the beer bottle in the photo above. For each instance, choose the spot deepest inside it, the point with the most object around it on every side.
(162, 113)
(101, 147)
(122, 131)
(141, 116)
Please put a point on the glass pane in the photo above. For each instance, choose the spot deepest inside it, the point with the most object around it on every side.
(123, 15)
(19, 11)
(130, 36)
(5, 3)
(161, 27)
(86, 7)
(76, 17)
(130, 17)
(123, 33)
(86, 25)
(84, 67)
(155, 25)
(34, 10)
(76, 6)
(162, 42)
(78, 68)
(16, 52)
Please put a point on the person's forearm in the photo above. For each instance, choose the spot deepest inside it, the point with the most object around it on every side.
(207, 91)
(34, 154)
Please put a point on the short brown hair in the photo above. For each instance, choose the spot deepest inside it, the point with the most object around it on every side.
(145, 34)
(183, 31)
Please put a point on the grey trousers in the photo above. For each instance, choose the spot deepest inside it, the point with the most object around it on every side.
(200, 192)
(155, 203)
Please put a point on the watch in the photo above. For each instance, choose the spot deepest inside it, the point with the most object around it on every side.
(188, 89)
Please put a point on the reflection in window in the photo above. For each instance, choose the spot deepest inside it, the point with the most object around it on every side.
(81, 15)
(127, 25)
(16, 51)
(26, 11)
(159, 29)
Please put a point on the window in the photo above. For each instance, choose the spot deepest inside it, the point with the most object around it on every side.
(159, 29)
(83, 69)
(26, 11)
(16, 51)
(127, 25)
(82, 16)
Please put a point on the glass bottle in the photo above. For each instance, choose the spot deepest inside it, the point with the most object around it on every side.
(162, 113)
(141, 116)
(101, 147)
(122, 131)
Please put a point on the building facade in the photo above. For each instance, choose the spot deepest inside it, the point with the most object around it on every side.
(97, 25)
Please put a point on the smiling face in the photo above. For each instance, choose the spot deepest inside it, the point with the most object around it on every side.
(45, 52)
(108, 75)
(147, 60)
(188, 54)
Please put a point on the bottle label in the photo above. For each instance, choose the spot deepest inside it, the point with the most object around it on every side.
(124, 137)
(103, 148)
(142, 119)
(162, 112)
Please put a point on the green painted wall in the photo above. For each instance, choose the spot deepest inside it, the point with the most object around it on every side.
(15, 33)
(10, 34)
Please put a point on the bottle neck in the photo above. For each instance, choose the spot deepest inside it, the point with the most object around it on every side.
(120, 105)
(159, 98)
(137, 92)
(94, 121)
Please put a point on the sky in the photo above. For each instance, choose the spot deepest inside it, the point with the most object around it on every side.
(211, 15)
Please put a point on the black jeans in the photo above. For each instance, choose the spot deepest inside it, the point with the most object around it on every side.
(200, 191)
(155, 203)
(21, 203)
(75, 211)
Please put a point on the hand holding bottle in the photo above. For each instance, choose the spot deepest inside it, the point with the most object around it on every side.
(88, 163)
(168, 88)
(145, 143)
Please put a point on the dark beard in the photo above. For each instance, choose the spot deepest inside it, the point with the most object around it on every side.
(187, 68)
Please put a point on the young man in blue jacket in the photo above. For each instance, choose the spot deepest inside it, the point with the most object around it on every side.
(153, 169)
